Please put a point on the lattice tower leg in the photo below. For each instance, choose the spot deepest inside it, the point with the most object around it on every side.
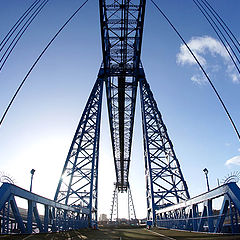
(165, 184)
(114, 207)
(79, 179)
(131, 210)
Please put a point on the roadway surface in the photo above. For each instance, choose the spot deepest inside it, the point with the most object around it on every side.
(123, 234)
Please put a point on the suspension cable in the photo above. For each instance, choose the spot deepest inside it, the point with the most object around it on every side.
(37, 60)
(222, 23)
(221, 37)
(19, 21)
(201, 67)
(21, 32)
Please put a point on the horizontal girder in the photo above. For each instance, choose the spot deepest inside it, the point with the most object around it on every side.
(121, 106)
(121, 28)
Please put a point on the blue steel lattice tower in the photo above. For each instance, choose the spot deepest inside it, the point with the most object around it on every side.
(122, 72)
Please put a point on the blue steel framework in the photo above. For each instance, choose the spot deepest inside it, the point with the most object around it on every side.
(79, 179)
(121, 29)
(190, 216)
(131, 210)
(56, 216)
(114, 208)
(164, 179)
(75, 203)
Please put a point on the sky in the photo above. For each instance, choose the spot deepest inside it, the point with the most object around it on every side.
(39, 127)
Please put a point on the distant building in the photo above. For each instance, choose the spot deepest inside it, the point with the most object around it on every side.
(103, 217)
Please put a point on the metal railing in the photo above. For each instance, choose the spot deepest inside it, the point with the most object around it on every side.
(197, 214)
(55, 216)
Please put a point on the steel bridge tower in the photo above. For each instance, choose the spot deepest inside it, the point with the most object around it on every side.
(121, 73)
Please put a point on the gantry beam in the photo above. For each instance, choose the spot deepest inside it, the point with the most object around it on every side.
(121, 31)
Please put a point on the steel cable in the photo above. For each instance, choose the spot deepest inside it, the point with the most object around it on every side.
(201, 67)
(37, 60)
(223, 25)
(21, 32)
(16, 25)
(216, 29)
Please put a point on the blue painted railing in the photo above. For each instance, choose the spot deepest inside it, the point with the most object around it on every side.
(197, 214)
(55, 216)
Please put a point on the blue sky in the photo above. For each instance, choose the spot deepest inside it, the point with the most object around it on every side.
(39, 128)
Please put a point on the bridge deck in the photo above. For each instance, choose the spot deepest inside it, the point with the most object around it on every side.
(124, 234)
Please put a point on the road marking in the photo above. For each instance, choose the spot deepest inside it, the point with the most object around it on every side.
(159, 234)
(27, 237)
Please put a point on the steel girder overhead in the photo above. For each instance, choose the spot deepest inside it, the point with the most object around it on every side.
(121, 29)
(121, 70)
(168, 200)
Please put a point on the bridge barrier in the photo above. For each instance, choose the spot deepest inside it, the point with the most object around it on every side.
(55, 217)
(198, 214)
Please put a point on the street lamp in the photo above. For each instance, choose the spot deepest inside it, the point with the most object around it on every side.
(32, 173)
(206, 174)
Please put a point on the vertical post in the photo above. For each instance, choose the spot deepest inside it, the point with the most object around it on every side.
(131, 209)
(117, 205)
(32, 173)
(206, 174)
(46, 218)
(29, 216)
(210, 216)
(128, 205)
(114, 208)
(54, 224)
(195, 217)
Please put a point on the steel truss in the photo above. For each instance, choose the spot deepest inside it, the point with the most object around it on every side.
(75, 202)
(55, 217)
(190, 216)
(121, 29)
(79, 178)
(164, 179)
(131, 210)
(114, 208)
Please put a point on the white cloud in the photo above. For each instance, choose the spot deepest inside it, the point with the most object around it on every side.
(233, 73)
(233, 161)
(201, 46)
(199, 79)
(239, 149)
